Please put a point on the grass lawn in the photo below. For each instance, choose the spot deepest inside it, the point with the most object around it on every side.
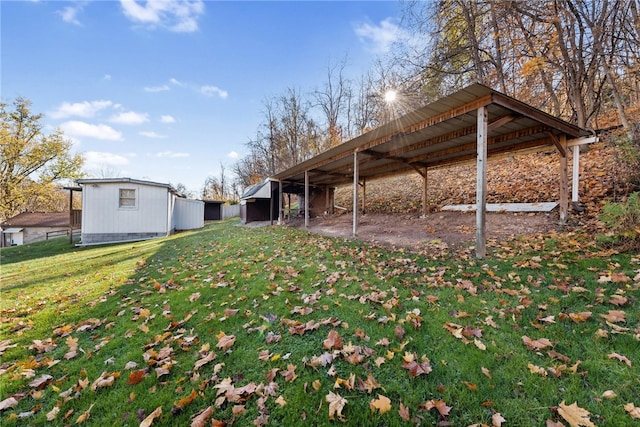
(275, 326)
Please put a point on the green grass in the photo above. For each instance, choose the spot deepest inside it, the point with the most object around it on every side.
(254, 283)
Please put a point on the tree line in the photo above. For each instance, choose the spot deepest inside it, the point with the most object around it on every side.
(575, 59)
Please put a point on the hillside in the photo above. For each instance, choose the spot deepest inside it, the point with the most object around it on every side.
(524, 178)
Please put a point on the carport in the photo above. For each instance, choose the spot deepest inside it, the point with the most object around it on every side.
(473, 124)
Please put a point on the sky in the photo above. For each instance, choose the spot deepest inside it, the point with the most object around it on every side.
(168, 91)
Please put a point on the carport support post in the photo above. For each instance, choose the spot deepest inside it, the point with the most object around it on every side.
(424, 194)
(280, 211)
(481, 183)
(355, 193)
(564, 180)
(306, 199)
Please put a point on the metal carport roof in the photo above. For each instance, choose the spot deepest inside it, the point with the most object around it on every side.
(442, 133)
(439, 134)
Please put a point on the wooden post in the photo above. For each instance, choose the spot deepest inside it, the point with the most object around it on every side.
(355, 193)
(575, 197)
(306, 199)
(271, 203)
(364, 195)
(70, 216)
(425, 209)
(481, 183)
(564, 180)
(280, 210)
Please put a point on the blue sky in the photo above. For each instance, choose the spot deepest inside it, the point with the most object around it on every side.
(169, 90)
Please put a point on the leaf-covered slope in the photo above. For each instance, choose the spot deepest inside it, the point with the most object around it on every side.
(523, 178)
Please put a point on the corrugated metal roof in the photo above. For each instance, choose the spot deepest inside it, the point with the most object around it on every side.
(85, 181)
(438, 134)
(38, 219)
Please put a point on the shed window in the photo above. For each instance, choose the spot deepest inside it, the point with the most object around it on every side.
(127, 198)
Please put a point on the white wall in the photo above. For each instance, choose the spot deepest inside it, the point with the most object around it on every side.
(101, 212)
(188, 214)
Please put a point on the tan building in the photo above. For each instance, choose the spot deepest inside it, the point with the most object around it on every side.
(29, 227)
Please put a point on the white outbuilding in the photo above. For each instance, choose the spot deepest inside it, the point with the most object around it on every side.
(125, 209)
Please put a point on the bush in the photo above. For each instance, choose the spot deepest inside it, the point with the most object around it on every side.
(623, 219)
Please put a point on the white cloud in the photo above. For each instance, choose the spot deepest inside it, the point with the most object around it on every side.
(214, 90)
(380, 38)
(96, 159)
(179, 15)
(130, 118)
(70, 13)
(156, 88)
(150, 134)
(176, 82)
(171, 154)
(107, 77)
(166, 118)
(233, 155)
(80, 109)
(76, 128)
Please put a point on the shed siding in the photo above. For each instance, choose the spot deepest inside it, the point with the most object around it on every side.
(188, 214)
(103, 220)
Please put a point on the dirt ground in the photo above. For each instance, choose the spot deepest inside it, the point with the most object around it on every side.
(442, 230)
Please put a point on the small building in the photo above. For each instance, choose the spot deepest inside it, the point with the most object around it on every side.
(29, 227)
(125, 209)
(213, 210)
(260, 202)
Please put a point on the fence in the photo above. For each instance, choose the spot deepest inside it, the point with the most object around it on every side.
(230, 211)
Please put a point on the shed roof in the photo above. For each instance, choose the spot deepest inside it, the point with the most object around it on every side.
(85, 181)
(438, 134)
(38, 219)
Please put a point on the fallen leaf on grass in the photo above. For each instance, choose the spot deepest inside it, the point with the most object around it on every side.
(336, 405)
(609, 394)
(620, 358)
(536, 345)
(85, 415)
(7, 403)
(633, 410)
(615, 316)
(440, 406)
(136, 377)
(415, 368)
(201, 418)
(152, 416)
(486, 372)
(497, 419)
(575, 415)
(206, 359)
(52, 414)
(333, 340)
(382, 404)
(42, 382)
(404, 412)
(225, 341)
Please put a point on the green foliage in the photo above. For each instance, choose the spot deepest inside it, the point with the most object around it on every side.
(281, 292)
(623, 219)
(31, 162)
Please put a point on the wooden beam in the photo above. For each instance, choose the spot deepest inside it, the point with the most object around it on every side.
(306, 199)
(561, 147)
(501, 121)
(355, 193)
(564, 180)
(425, 209)
(481, 184)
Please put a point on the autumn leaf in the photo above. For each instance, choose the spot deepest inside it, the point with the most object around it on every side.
(415, 368)
(536, 370)
(620, 358)
(290, 374)
(486, 372)
(41, 382)
(536, 345)
(404, 412)
(615, 316)
(336, 405)
(609, 394)
(440, 406)
(382, 404)
(186, 400)
(497, 419)
(200, 419)
(369, 384)
(333, 340)
(580, 317)
(7, 403)
(53, 413)
(85, 415)
(633, 410)
(225, 341)
(575, 415)
(136, 377)
(280, 401)
(204, 360)
(104, 380)
(151, 417)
